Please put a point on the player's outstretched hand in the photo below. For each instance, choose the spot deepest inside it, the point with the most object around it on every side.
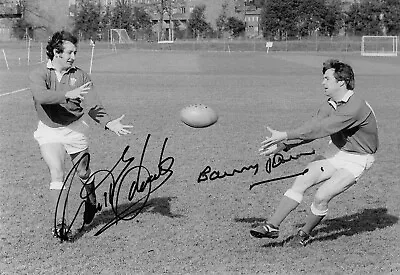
(79, 92)
(273, 149)
(117, 127)
(275, 138)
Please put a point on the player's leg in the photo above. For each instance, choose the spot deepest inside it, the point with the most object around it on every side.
(349, 168)
(340, 181)
(54, 156)
(82, 160)
(318, 171)
(76, 144)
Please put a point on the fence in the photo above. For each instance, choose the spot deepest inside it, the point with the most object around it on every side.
(338, 44)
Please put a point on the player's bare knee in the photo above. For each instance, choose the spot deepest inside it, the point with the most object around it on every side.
(321, 200)
(303, 182)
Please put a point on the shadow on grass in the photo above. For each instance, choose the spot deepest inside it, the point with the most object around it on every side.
(159, 205)
(332, 229)
(365, 221)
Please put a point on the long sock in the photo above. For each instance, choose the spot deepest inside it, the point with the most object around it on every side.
(54, 194)
(90, 190)
(285, 207)
(311, 222)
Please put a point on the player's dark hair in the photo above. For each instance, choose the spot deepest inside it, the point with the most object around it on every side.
(343, 72)
(56, 42)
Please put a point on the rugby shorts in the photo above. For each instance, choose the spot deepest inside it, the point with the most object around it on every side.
(73, 137)
(355, 164)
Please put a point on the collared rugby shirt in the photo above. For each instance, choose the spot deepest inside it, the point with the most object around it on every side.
(350, 123)
(51, 105)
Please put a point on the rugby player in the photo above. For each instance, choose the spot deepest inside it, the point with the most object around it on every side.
(62, 94)
(351, 124)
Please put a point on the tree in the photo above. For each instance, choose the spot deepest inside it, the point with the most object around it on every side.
(278, 18)
(105, 22)
(332, 18)
(364, 18)
(391, 17)
(122, 16)
(235, 26)
(197, 24)
(310, 14)
(87, 19)
(222, 20)
(142, 22)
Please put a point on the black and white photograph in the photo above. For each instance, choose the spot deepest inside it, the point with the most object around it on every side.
(199, 137)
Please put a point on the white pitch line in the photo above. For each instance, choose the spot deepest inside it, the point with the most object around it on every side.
(14, 92)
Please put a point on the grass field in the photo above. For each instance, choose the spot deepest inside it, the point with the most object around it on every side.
(191, 227)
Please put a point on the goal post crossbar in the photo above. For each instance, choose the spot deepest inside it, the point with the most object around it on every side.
(379, 45)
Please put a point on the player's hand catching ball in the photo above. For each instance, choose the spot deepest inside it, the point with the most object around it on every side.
(117, 127)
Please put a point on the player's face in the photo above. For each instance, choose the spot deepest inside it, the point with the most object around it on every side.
(67, 57)
(330, 84)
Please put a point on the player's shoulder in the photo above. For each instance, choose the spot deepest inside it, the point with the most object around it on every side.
(356, 101)
(356, 104)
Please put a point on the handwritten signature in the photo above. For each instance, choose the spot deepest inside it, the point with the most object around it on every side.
(130, 177)
(273, 162)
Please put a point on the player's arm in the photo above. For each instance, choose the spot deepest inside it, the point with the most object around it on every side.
(99, 114)
(324, 127)
(41, 94)
(40, 91)
(267, 150)
(316, 128)
(278, 140)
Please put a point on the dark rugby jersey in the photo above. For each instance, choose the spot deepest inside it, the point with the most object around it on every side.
(350, 123)
(52, 108)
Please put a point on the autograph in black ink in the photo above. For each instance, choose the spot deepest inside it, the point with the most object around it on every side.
(130, 177)
(273, 162)
(280, 178)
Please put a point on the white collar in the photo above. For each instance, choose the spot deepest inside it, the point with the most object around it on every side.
(345, 99)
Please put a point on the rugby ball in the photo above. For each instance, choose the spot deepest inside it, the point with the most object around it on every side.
(198, 116)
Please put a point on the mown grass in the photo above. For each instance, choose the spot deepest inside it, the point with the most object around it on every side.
(189, 227)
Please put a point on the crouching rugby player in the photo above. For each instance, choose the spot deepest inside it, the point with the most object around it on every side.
(351, 124)
(60, 92)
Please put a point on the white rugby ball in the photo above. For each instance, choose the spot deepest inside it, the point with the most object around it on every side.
(198, 116)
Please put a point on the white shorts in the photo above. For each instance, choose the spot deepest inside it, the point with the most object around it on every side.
(72, 137)
(356, 164)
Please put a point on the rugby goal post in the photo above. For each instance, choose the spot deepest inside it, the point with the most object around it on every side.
(119, 36)
(379, 45)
